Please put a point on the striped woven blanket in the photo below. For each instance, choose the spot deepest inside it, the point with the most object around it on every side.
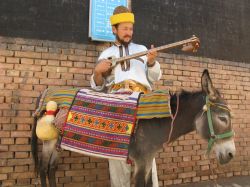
(154, 105)
(100, 124)
(63, 98)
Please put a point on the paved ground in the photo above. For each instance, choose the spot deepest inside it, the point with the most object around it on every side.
(242, 181)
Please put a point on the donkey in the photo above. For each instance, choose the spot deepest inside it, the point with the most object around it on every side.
(205, 110)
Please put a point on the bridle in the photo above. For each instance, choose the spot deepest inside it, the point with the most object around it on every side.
(214, 137)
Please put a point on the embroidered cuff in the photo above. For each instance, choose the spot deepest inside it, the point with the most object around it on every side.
(94, 86)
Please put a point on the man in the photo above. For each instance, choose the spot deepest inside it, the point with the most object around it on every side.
(134, 75)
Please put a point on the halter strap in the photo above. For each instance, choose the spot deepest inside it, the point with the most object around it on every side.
(214, 137)
(219, 105)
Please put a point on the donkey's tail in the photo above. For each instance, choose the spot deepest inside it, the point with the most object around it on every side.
(34, 149)
(34, 146)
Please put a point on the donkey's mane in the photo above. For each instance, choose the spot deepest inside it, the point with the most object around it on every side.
(183, 95)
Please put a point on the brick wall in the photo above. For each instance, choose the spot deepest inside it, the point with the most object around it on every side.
(27, 67)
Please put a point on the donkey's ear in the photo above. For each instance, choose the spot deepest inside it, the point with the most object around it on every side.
(207, 85)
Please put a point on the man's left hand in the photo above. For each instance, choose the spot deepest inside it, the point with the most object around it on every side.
(152, 54)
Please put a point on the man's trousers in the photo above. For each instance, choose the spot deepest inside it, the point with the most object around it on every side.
(120, 173)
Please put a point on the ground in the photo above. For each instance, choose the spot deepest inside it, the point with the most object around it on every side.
(242, 181)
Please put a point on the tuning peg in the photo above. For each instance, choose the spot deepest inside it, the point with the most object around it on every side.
(195, 47)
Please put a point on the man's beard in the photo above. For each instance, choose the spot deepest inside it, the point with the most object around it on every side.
(122, 41)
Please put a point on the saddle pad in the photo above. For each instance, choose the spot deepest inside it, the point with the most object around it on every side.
(63, 98)
(154, 105)
(100, 124)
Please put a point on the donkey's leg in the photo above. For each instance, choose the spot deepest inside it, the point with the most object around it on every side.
(43, 173)
(148, 179)
(139, 174)
(48, 148)
(143, 173)
(151, 176)
(52, 168)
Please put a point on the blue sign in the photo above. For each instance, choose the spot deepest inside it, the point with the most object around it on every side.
(100, 12)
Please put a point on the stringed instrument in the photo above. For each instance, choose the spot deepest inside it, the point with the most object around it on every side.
(192, 44)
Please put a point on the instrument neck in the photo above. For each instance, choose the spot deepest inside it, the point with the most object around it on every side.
(161, 48)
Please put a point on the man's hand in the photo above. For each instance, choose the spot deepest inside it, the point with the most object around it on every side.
(152, 54)
(101, 68)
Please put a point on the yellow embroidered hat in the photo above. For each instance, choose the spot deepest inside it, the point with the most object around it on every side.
(121, 14)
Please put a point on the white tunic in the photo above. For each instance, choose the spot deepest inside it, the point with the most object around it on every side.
(138, 71)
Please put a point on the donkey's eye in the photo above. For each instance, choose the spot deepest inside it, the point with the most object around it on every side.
(223, 119)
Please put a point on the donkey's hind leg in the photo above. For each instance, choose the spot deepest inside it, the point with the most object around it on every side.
(52, 168)
(43, 173)
(48, 149)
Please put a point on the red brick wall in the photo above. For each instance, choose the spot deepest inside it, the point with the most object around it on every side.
(27, 67)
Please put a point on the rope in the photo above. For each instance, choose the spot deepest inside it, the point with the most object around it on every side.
(212, 171)
(173, 119)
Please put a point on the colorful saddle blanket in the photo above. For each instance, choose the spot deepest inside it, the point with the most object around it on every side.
(100, 124)
(63, 98)
(154, 105)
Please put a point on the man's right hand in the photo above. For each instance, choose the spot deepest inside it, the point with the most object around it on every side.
(101, 68)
